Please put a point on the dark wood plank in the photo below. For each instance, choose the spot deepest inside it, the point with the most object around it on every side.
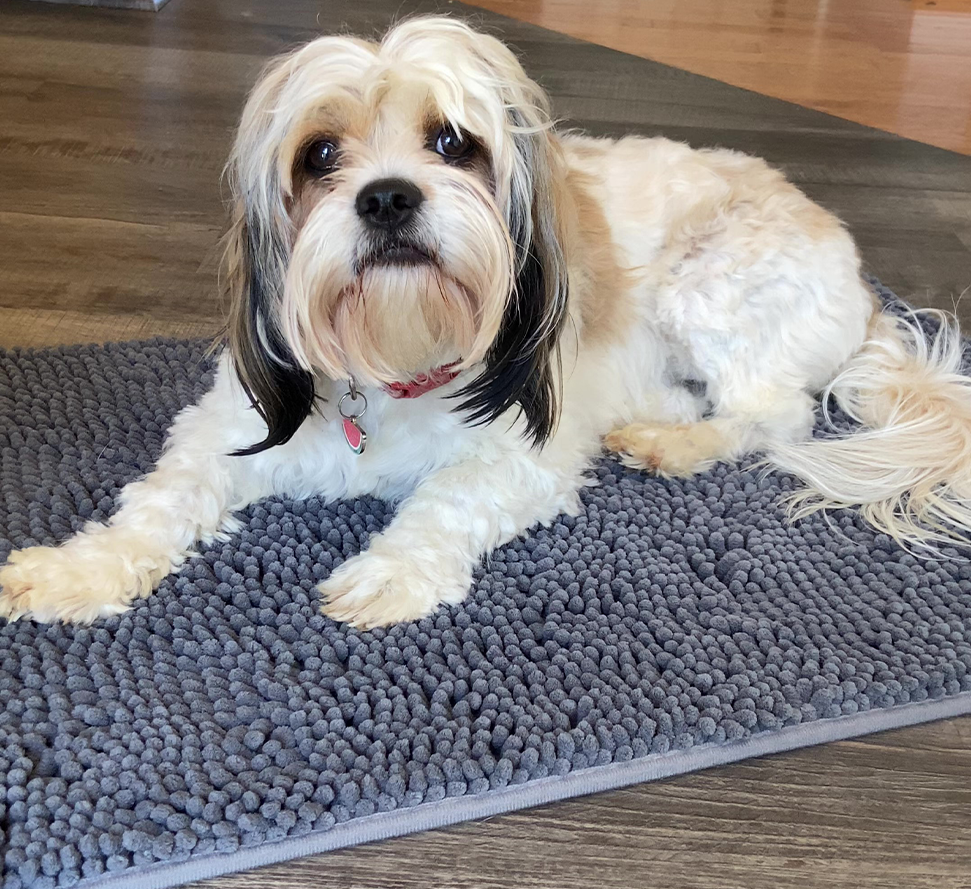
(112, 117)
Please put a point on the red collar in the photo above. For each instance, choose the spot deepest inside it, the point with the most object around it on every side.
(423, 382)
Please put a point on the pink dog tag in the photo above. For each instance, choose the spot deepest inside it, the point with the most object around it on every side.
(354, 435)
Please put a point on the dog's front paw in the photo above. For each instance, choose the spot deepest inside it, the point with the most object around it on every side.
(376, 589)
(76, 584)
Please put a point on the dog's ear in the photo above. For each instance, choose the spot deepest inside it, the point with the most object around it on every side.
(280, 391)
(523, 364)
(257, 249)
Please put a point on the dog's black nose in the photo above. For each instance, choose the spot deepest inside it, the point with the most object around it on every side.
(388, 203)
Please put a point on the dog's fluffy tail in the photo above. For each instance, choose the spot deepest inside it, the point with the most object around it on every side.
(909, 468)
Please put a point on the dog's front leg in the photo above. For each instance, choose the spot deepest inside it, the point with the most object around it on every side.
(457, 515)
(187, 498)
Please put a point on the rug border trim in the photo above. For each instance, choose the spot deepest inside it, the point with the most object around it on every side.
(595, 779)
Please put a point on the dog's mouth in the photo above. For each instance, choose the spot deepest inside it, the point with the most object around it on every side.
(399, 253)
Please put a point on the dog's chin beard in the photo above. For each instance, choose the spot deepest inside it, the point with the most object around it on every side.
(402, 316)
(389, 315)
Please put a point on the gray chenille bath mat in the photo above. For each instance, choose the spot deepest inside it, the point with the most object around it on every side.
(224, 723)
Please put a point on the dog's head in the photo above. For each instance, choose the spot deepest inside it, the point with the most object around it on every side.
(395, 211)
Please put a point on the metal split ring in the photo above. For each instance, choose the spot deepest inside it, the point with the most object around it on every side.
(353, 395)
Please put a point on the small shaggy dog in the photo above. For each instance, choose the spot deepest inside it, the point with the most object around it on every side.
(439, 299)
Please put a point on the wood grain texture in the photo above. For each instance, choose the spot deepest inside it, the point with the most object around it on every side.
(145, 5)
(904, 67)
(39, 328)
(116, 127)
(114, 130)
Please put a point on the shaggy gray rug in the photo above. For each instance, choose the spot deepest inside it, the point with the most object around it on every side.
(224, 723)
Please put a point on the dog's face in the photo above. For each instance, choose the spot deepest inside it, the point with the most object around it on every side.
(396, 211)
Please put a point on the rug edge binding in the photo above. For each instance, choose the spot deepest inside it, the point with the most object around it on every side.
(428, 816)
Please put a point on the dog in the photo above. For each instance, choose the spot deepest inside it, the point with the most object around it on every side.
(438, 299)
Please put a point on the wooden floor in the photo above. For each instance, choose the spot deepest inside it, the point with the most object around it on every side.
(901, 65)
(116, 124)
(113, 130)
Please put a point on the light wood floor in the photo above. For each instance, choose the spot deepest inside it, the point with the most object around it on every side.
(113, 130)
(904, 67)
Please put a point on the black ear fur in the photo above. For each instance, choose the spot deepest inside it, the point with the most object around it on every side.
(280, 391)
(519, 367)
(522, 366)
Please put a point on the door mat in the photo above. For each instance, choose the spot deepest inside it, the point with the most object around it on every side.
(224, 723)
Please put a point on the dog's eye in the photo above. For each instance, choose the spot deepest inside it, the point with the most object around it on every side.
(451, 145)
(320, 157)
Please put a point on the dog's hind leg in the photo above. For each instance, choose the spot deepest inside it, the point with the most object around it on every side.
(680, 449)
(684, 449)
